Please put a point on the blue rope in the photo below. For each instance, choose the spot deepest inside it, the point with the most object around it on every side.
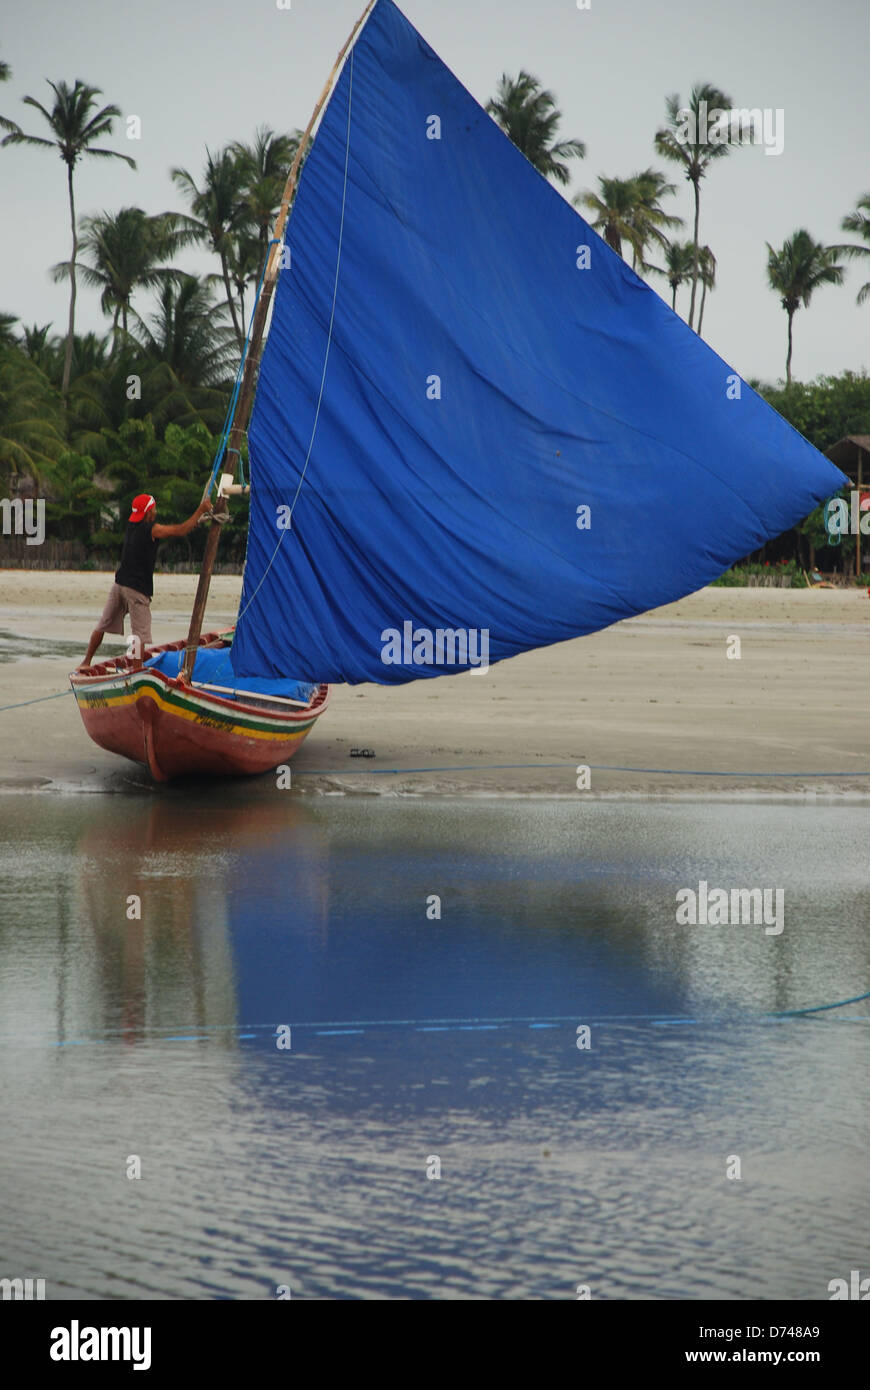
(322, 1028)
(820, 1008)
(37, 701)
(225, 428)
(593, 767)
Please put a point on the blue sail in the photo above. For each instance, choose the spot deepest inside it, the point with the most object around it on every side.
(472, 417)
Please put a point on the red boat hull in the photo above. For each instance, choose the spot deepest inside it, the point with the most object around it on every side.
(179, 730)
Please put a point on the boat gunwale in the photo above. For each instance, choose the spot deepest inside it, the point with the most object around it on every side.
(123, 668)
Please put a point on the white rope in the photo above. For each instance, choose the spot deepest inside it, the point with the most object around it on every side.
(325, 358)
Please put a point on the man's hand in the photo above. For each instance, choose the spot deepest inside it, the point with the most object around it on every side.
(183, 528)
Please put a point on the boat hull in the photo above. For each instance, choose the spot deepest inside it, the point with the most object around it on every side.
(178, 730)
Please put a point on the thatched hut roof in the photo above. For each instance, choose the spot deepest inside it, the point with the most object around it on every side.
(850, 452)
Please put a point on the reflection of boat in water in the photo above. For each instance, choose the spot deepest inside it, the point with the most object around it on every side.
(474, 424)
(174, 963)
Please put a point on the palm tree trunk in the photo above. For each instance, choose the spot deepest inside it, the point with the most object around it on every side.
(674, 296)
(231, 301)
(703, 302)
(696, 186)
(788, 358)
(67, 359)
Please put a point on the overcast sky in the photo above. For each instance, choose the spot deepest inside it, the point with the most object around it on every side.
(204, 72)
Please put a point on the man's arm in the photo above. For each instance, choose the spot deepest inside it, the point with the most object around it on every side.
(183, 528)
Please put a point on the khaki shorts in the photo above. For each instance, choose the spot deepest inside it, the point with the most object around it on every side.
(120, 602)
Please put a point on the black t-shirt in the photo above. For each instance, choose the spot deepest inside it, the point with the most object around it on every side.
(136, 570)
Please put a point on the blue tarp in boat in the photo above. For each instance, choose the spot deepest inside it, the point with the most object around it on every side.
(457, 365)
(213, 667)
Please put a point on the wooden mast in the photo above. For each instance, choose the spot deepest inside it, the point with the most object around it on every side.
(245, 401)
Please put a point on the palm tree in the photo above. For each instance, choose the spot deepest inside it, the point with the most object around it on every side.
(31, 419)
(186, 333)
(7, 337)
(614, 206)
(74, 126)
(796, 271)
(628, 210)
(124, 249)
(694, 154)
(5, 71)
(677, 269)
(42, 350)
(244, 266)
(217, 213)
(98, 401)
(528, 115)
(650, 217)
(264, 167)
(707, 271)
(859, 223)
(190, 353)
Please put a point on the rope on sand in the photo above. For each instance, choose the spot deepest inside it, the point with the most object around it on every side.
(593, 767)
(820, 1008)
(37, 701)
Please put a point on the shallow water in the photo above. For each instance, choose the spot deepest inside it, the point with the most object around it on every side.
(415, 1038)
(14, 645)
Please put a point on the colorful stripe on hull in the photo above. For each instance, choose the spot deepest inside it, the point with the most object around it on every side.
(176, 730)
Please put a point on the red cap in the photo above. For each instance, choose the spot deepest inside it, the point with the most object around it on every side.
(141, 504)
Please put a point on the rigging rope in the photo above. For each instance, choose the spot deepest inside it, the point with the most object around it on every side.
(231, 408)
(284, 531)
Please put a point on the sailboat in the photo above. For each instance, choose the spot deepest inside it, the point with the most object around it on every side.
(476, 430)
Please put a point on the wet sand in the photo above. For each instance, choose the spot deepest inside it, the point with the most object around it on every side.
(639, 703)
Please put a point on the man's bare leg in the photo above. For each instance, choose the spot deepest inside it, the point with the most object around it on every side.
(93, 645)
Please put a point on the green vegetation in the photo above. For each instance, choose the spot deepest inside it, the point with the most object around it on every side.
(786, 574)
(826, 409)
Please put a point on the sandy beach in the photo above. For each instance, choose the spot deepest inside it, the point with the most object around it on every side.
(653, 706)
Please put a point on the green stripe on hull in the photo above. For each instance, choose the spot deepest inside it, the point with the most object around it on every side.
(195, 709)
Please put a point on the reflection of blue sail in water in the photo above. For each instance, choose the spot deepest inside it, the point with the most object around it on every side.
(446, 382)
(365, 951)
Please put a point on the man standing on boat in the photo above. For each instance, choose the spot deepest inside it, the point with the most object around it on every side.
(134, 579)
